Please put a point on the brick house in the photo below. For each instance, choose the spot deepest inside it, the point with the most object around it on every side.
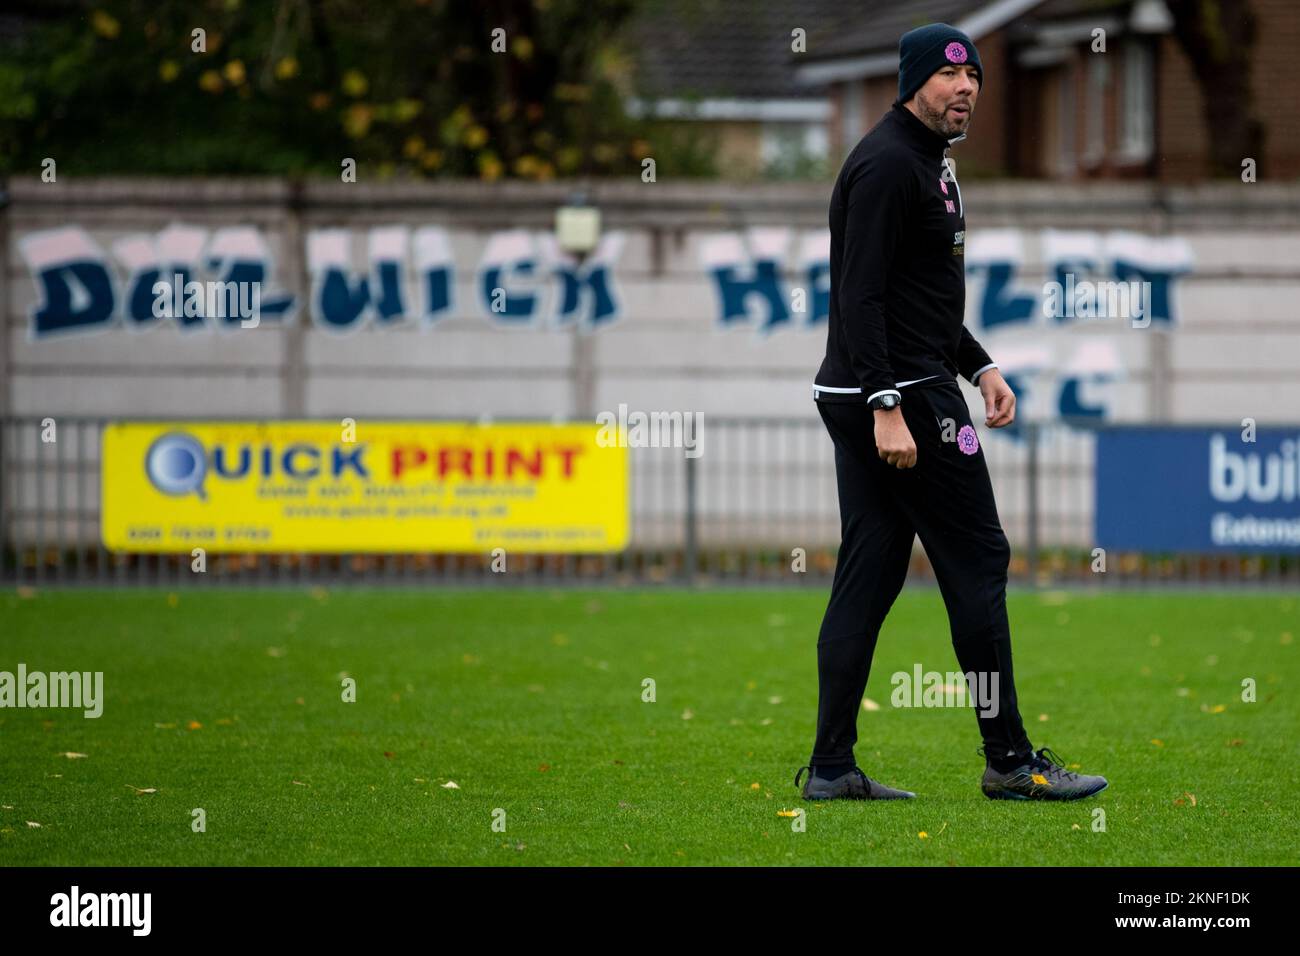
(1054, 108)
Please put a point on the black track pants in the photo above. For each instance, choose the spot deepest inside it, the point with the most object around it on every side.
(947, 499)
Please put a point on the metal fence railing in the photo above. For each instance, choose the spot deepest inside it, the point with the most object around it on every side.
(762, 494)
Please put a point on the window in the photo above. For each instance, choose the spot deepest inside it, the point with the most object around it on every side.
(1137, 137)
(1094, 107)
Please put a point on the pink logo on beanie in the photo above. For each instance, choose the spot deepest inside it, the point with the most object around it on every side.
(955, 52)
(967, 440)
(943, 186)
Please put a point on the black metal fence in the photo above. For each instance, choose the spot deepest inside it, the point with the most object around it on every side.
(758, 506)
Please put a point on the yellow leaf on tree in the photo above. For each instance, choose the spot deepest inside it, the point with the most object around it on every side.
(104, 24)
(355, 83)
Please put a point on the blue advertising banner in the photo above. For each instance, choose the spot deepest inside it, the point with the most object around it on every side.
(1198, 489)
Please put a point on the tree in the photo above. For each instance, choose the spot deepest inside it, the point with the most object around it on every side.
(532, 89)
(1219, 41)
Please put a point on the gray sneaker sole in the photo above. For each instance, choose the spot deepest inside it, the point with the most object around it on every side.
(1002, 794)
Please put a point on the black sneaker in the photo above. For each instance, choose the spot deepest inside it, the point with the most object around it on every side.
(854, 785)
(1042, 777)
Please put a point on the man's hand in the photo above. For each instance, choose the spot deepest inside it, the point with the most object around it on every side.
(999, 400)
(894, 440)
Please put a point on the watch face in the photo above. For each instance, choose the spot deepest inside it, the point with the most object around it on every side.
(886, 401)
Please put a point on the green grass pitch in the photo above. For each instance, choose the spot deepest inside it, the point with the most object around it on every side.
(530, 701)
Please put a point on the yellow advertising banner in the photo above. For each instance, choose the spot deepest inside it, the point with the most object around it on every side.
(381, 487)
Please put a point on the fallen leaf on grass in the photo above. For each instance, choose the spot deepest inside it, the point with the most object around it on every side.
(1216, 709)
(194, 725)
(869, 704)
(1191, 798)
(451, 785)
(787, 813)
(171, 726)
(1158, 743)
(33, 824)
(543, 767)
(71, 756)
(144, 789)
(300, 783)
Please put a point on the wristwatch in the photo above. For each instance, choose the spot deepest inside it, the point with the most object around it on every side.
(886, 401)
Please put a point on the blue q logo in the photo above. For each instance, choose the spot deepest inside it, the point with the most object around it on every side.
(176, 464)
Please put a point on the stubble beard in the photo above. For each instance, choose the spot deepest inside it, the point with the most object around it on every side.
(937, 118)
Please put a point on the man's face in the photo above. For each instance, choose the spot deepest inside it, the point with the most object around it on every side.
(947, 100)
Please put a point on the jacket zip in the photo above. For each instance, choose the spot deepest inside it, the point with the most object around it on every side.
(952, 173)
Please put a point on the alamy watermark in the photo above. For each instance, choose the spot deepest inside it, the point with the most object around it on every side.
(1086, 299)
(954, 689)
(80, 689)
(636, 429)
(75, 908)
(211, 300)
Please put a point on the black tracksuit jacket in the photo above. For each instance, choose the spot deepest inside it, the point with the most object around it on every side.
(897, 268)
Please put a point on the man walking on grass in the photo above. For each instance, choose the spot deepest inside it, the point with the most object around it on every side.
(908, 460)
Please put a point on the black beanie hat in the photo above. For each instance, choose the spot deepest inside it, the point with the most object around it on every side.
(926, 49)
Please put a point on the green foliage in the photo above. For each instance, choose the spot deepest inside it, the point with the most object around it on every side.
(405, 87)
